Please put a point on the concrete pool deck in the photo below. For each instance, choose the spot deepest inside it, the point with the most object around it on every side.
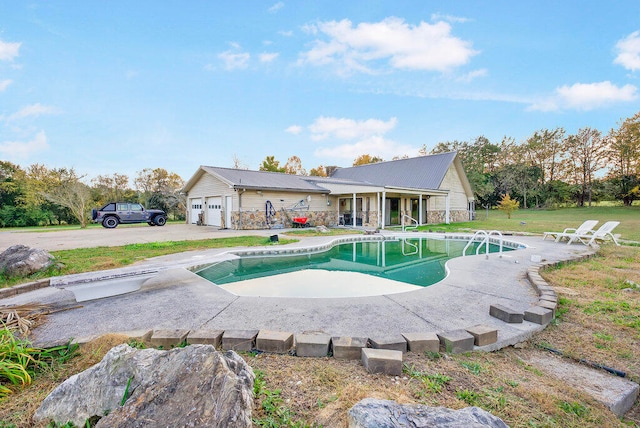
(176, 298)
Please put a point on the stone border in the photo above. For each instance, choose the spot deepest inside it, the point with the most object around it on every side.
(24, 288)
(545, 310)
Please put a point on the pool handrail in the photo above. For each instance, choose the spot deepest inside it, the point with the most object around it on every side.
(485, 241)
(410, 226)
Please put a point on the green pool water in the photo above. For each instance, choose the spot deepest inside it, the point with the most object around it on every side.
(419, 261)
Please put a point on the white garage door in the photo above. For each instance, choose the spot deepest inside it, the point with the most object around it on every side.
(214, 211)
(196, 209)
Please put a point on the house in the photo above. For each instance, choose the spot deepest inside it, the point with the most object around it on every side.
(423, 190)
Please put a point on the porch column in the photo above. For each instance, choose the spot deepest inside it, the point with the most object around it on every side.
(384, 207)
(378, 207)
(447, 218)
(420, 210)
(353, 211)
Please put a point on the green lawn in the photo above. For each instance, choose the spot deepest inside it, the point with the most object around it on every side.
(540, 221)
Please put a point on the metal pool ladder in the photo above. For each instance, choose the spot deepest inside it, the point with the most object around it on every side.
(485, 241)
(411, 225)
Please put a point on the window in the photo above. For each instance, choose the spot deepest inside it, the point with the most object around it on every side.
(136, 207)
(123, 207)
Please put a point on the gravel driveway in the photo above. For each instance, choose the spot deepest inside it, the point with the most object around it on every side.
(53, 239)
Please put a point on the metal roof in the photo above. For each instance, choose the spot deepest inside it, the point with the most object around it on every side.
(423, 172)
(243, 178)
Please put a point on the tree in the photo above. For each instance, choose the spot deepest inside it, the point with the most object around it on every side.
(113, 187)
(161, 189)
(238, 164)
(294, 166)
(72, 194)
(544, 149)
(270, 164)
(624, 158)
(508, 205)
(586, 155)
(320, 171)
(518, 177)
(366, 159)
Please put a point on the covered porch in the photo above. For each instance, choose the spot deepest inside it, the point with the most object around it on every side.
(392, 207)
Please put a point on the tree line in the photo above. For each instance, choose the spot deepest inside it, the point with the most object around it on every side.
(38, 195)
(548, 169)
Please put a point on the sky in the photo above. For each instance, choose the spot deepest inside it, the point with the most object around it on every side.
(118, 86)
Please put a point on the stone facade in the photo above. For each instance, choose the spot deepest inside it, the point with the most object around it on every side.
(252, 220)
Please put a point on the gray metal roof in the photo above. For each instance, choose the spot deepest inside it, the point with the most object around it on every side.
(423, 172)
(243, 178)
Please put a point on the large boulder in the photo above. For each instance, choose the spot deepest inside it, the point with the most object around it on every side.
(20, 260)
(192, 386)
(372, 413)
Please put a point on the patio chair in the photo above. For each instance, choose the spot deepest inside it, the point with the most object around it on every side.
(602, 234)
(585, 227)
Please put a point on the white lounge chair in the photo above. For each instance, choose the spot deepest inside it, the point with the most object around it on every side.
(602, 234)
(585, 227)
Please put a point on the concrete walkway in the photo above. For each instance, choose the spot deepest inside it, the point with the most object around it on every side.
(175, 298)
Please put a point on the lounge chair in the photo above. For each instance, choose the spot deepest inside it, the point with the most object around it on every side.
(585, 227)
(602, 234)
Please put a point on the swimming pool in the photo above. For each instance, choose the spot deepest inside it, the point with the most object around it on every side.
(366, 267)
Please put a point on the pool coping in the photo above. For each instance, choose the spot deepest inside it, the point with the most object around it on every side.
(534, 281)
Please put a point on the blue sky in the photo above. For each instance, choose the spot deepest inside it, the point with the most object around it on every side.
(118, 86)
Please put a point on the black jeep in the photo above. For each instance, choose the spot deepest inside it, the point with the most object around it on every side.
(115, 213)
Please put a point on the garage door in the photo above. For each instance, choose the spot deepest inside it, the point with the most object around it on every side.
(214, 211)
(196, 209)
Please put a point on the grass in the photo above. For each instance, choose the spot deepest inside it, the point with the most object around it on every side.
(101, 258)
(540, 221)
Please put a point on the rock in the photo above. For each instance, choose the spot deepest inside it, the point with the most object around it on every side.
(322, 229)
(20, 260)
(191, 386)
(372, 413)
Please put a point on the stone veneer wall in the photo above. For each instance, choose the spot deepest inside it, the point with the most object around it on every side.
(252, 220)
(435, 217)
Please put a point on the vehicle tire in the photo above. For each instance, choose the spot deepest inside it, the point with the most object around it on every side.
(160, 220)
(110, 222)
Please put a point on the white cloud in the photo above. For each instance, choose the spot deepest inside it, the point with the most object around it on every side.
(276, 7)
(233, 61)
(268, 56)
(472, 75)
(4, 84)
(375, 146)
(349, 129)
(586, 96)
(8, 51)
(294, 129)
(286, 33)
(629, 51)
(449, 18)
(33, 110)
(425, 46)
(22, 149)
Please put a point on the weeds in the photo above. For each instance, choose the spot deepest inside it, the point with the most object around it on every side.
(275, 414)
(19, 361)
